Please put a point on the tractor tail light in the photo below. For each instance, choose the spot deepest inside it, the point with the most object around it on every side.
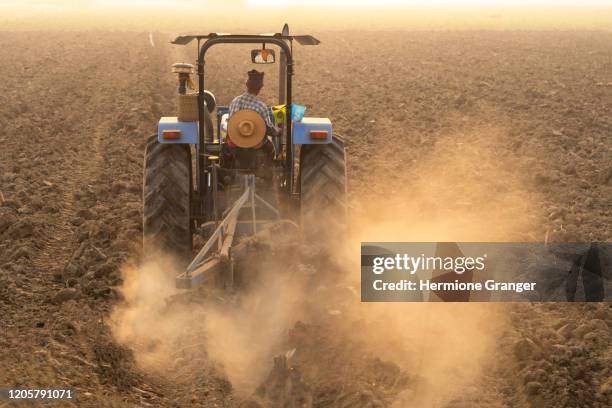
(318, 134)
(171, 134)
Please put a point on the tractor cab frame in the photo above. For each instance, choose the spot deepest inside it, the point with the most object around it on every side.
(284, 42)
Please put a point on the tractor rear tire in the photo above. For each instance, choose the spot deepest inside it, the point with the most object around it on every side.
(323, 207)
(166, 200)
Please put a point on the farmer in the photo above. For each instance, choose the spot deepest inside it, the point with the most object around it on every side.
(248, 100)
(249, 125)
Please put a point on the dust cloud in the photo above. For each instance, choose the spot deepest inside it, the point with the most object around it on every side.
(245, 337)
(236, 334)
(142, 321)
(467, 188)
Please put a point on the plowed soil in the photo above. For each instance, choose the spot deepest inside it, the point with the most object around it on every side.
(451, 136)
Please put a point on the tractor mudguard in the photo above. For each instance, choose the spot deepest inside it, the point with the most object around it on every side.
(312, 131)
(170, 130)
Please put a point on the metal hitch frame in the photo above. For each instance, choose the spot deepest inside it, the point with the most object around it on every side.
(208, 264)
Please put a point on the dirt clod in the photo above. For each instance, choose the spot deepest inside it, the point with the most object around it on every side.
(65, 295)
(524, 349)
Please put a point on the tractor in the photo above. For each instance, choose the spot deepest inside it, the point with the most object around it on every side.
(198, 181)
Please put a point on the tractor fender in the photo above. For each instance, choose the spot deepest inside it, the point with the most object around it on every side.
(312, 131)
(171, 130)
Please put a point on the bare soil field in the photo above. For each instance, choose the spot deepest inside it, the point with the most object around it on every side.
(459, 135)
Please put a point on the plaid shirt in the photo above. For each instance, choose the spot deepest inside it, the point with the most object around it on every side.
(250, 101)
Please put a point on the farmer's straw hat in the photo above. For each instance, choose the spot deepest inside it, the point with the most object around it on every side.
(246, 128)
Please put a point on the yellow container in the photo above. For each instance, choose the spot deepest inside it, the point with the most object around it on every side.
(280, 114)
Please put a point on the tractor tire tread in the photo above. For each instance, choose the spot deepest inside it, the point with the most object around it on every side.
(323, 188)
(167, 200)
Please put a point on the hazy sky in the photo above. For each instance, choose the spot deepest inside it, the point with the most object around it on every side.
(311, 3)
(429, 3)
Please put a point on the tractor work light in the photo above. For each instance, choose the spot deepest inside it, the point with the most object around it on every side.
(318, 134)
(171, 134)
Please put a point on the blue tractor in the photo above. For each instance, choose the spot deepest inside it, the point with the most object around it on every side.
(204, 175)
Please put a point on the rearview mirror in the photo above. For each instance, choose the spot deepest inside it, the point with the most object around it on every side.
(263, 56)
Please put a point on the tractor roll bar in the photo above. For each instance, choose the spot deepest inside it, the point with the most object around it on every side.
(249, 40)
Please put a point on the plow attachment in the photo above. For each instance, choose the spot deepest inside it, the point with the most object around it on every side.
(216, 258)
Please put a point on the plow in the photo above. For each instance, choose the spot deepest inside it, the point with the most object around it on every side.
(239, 178)
(216, 257)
